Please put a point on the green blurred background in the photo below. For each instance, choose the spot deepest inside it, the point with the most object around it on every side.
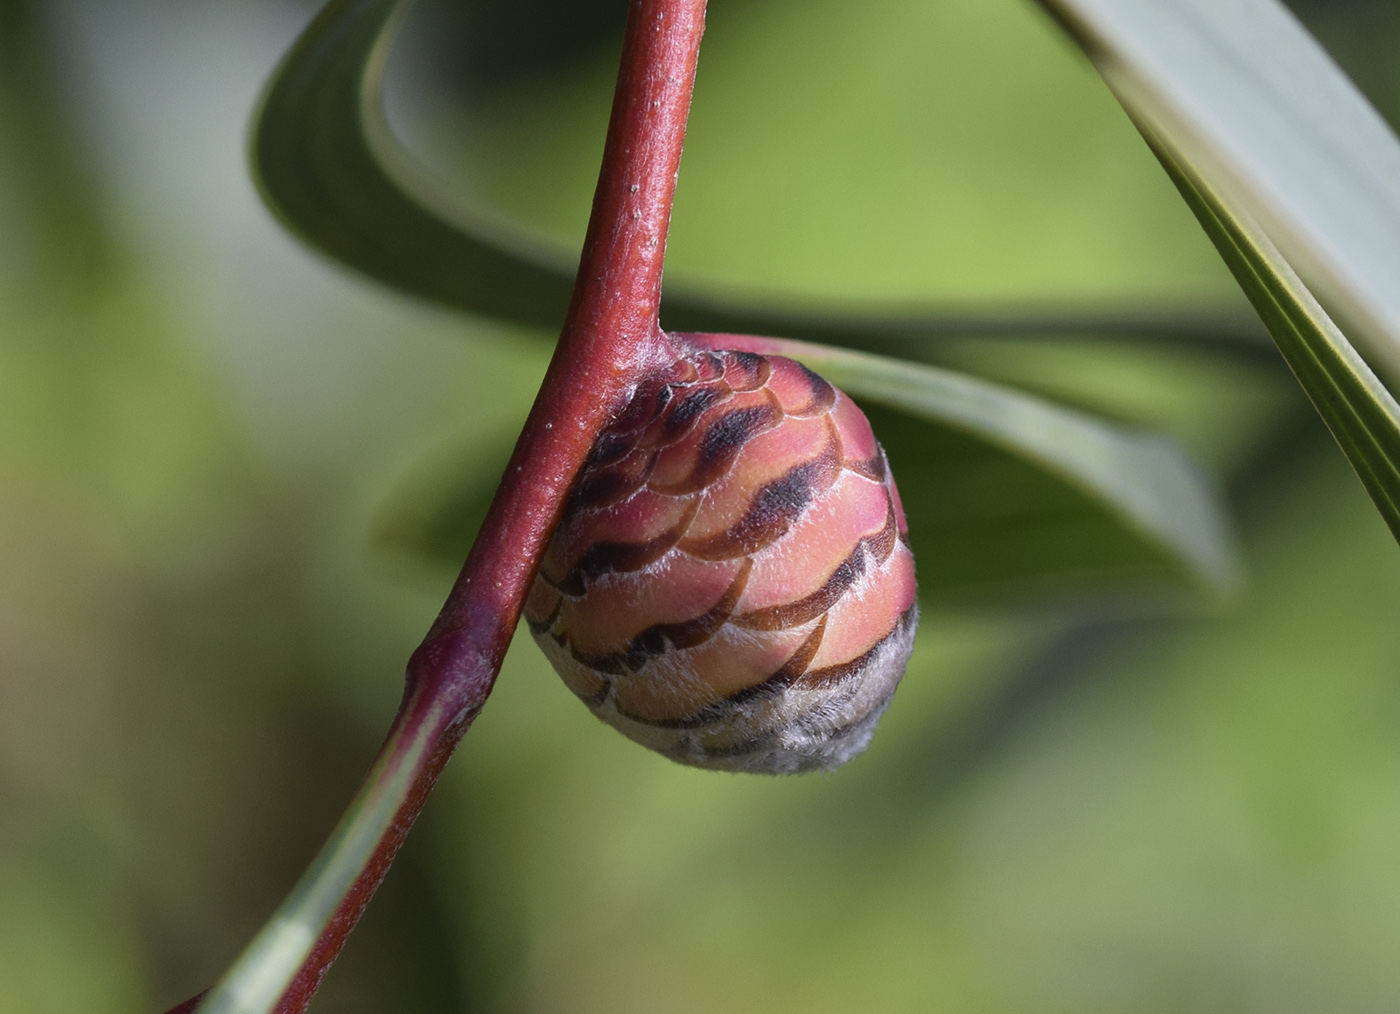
(211, 441)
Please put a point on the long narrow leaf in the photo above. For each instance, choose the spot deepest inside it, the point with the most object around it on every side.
(1292, 175)
(330, 166)
(1142, 480)
(1007, 495)
(322, 154)
(1249, 99)
(1362, 415)
(1027, 495)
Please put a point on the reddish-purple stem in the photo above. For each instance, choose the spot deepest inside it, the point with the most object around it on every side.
(610, 340)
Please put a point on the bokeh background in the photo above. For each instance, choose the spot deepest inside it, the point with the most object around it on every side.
(215, 445)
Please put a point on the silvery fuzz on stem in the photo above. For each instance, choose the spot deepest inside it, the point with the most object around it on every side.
(731, 584)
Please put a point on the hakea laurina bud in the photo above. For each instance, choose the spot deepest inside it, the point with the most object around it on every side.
(731, 583)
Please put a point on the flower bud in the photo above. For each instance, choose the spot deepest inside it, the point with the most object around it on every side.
(731, 583)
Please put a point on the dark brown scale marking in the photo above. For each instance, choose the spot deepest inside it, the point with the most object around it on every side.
(750, 371)
(663, 637)
(833, 701)
(683, 372)
(873, 468)
(771, 687)
(834, 675)
(789, 674)
(705, 716)
(722, 443)
(728, 435)
(611, 448)
(594, 700)
(882, 543)
(607, 486)
(763, 741)
(823, 395)
(688, 410)
(548, 621)
(645, 405)
(775, 508)
(708, 366)
(792, 614)
(841, 731)
(622, 557)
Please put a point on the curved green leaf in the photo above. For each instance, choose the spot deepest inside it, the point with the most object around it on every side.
(1006, 494)
(329, 165)
(1292, 175)
(1109, 502)
(1243, 94)
(1047, 497)
(1362, 415)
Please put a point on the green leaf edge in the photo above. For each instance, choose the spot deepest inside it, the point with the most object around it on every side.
(1145, 480)
(1362, 415)
(1217, 164)
(1254, 103)
(327, 163)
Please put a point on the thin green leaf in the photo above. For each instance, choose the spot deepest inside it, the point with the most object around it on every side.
(1007, 495)
(1293, 176)
(1249, 99)
(1135, 484)
(1362, 415)
(329, 165)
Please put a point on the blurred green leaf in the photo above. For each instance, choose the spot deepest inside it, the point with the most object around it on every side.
(1291, 174)
(1243, 94)
(327, 164)
(1111, 504)
(1007, 494)
(59, 245)
(1219, 408)
(433, 514)
(1360, 412)
(1012, 490)
(330, 167)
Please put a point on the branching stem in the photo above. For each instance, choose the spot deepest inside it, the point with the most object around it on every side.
(610, 340)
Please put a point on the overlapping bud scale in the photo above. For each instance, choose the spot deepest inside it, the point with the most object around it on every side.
(731, 583)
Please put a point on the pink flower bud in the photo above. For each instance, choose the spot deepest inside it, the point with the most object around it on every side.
(731, 583)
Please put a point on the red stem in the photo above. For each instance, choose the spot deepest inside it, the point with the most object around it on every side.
(610, 340)
(417, 707)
